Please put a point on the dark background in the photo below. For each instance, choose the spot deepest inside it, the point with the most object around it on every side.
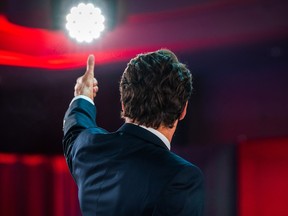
(237, 53)
(239, 93)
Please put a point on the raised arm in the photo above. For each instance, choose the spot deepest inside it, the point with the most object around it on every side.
(81, 113)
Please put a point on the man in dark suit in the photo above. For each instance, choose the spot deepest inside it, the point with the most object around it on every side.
(132, 171)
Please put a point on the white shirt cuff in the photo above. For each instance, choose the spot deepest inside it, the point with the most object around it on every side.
(83, 97)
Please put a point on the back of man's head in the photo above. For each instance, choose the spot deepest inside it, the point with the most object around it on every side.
(154, 89)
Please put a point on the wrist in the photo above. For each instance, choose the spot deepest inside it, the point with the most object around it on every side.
(83, 97)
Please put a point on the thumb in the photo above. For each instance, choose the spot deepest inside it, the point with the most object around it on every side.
(90, 66)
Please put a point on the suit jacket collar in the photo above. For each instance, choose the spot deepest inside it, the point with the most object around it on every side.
(142, 134)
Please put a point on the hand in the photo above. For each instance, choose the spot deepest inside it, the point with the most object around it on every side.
(87, 85)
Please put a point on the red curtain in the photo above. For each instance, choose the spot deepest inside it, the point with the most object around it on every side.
(36, 185)
(263, 178)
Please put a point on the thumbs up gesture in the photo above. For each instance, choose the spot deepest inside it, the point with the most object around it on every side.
(87, 85)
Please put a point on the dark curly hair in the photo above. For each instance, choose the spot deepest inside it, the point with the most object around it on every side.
(154, 89)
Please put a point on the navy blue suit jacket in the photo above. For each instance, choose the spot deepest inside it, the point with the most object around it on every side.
(128, 172)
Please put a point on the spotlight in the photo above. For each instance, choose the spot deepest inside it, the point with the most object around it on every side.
(85, 22)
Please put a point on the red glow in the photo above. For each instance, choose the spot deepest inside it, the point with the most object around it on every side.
(263, 186)
(21, 46)
(34, 185)
(34, 160)
(60, 165)
(8, 158)
(185, 29)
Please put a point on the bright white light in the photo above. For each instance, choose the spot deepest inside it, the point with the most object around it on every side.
(85, 22)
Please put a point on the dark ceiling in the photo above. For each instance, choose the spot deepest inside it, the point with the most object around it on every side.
(237, 51)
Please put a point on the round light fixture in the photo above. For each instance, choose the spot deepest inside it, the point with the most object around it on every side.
(85, 22)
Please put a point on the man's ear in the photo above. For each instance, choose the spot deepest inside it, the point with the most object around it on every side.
(122, 106)
(183, 114)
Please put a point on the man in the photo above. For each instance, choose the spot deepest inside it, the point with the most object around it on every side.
(132, 171)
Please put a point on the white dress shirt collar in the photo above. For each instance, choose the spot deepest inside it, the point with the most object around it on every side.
(159, 135)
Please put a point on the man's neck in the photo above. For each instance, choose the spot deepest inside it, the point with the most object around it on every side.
(166, 131)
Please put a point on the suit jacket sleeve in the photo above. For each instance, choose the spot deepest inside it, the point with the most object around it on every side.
(184, 195)
(80, 116)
